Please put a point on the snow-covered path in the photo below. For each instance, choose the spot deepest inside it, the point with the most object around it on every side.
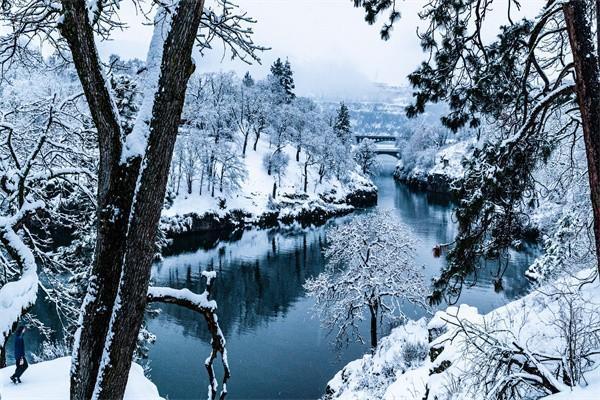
(50, 381)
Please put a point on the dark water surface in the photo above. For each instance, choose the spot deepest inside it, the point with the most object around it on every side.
(277, 350)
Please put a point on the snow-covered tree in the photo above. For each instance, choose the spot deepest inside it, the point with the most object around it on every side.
(342, 125)
(537, 82)
(370, 269)
(283, 83)
(47, 179)
(248, 81)
(365, 155)
(133, 169)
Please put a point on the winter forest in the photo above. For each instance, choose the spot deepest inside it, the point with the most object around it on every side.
(279, 199)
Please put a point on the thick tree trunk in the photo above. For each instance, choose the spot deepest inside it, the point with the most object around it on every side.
(256, 137)
(176, 69)
(116, 183)
(125, 237)
(588, 96)
(374, 310)
(189, 181)
(298, 154)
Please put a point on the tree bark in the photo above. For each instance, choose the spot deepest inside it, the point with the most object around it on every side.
(256, 137)
(587, 83)
(246, 133)
(176, 69)
(374, 309)
(305, 176)
(116, 183)
(125, 236)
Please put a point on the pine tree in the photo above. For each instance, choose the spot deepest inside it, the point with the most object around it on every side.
(287, 80)
(511, 83)
(277, 68)
(248, 81)
(284, 76)
(342, 126)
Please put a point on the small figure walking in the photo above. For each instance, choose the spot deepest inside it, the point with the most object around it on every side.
(19, 355)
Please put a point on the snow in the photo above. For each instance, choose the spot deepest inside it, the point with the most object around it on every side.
(17, 296)
(381, 375)
(200, 300)
(254, 195)
(50, 381)
(447, 163)
(135, 142)
(532, 323)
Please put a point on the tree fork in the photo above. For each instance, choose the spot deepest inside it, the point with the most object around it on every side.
(175, 70)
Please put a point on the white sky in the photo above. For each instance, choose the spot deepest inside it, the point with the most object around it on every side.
(333, 51)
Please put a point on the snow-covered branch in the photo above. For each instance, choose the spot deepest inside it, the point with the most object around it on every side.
(203, 304)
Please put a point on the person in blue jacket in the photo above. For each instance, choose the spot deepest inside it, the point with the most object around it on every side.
(19, 355)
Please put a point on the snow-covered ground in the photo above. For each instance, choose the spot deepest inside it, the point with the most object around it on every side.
(50, 381)
(254, 197)
(467, 354)
(439, 173)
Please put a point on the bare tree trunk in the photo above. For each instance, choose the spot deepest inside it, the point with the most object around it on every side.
(588, 96)
(178, 175)
(201, 180)
(374, 310)
(256, 137)
(116, 183)
(274, 189)
(189, 181)
(221, 178)
(246, 142)
(306, 175)
(298, 153)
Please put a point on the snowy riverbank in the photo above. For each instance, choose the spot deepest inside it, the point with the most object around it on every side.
(253, 204)
(536, 345)
(436, 173)
(50, 381)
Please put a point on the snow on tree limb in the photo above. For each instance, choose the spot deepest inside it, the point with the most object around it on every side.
(136, 141)
(17, 296)
(182, 297)
(203, 304)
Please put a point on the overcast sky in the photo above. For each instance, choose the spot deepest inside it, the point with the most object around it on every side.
(333, 51)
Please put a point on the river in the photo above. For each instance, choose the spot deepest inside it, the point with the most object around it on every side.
(277, 349)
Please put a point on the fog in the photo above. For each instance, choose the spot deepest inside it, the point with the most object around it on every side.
(333, 51)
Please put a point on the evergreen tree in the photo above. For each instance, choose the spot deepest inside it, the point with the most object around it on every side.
(287, 80)
(342, 125)
(284, 77)
(522, 83)
(277, 68)
(248, 81)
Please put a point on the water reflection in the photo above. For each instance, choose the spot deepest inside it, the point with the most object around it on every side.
(276, 349)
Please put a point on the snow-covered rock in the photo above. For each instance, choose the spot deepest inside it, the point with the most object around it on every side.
(531, 328)
(50, 381)
(447, 168)
(383, 374)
